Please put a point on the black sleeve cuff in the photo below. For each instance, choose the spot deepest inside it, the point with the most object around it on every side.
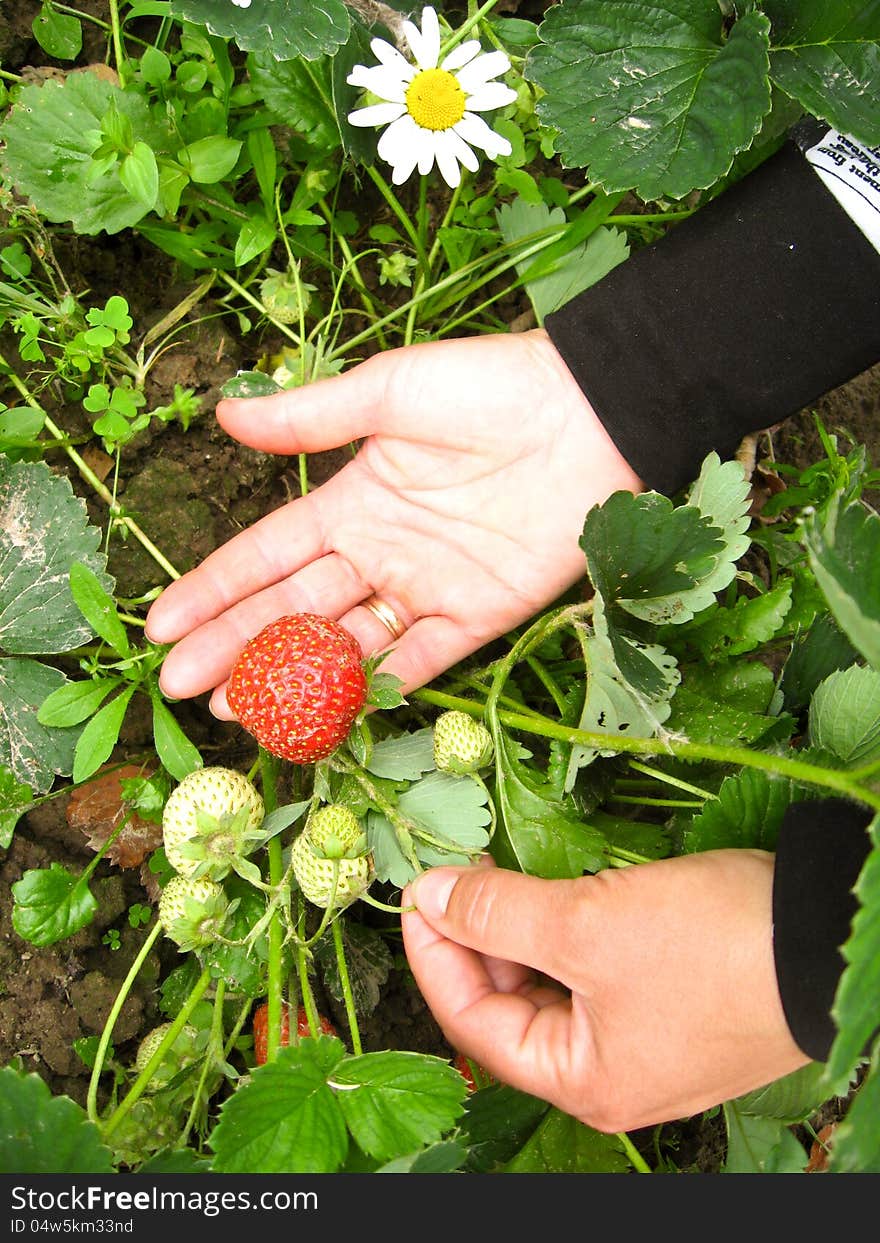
(820, 852)
(763, 300)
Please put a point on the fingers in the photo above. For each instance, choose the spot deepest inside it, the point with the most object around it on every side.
(323, 415)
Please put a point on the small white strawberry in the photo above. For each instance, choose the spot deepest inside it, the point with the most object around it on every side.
(192, 910)
(210, 821)
(335, 832)
(461, 744)
(329, 883)
(182, 1053)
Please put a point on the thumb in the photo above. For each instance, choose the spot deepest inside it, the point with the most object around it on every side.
(506, 914)
(324, 415)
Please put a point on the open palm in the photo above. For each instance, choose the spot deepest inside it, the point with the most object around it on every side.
(462, 509)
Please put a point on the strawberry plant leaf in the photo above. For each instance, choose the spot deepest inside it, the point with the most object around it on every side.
(562, 1145)
(404, 758)
(599, 65)
(298, 94)
(747, 813)
(50, 137)
(790, 1099)
(357, 142)
(582, 266)
(404, 1100)
(369, 965)
(813, 45)
(34, 753)
(760, 1145)
(734, 704)
(451, 808)
(813, 657)
(855, 1005)
(291, 28)
(98, 608)
(177, 754)
(389, 860)
(98, 738)
(45, 1134)
(51, 904)
(844, 552)
(44, 530)
(287, 1120)
(844, 716)
(856, 1147)
(15, 799)
(443, 1158)
(725, 632)
(538, 832)
(497, 1122)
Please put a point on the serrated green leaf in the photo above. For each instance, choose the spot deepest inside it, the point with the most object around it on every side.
(51, 904)
(396, 1101)
(844, 552)
(442, 1158)
(451, 808)
(844, 715)
(856, 1147)
(733, 704)
(814, 656)
(747, 813)
(99, 737)
(790, 1099)
(497, 1123)
(175, 751)
(855, 1004)
(538, 833)
(291, 28)
(175, 1161)
(562, 1145)
(827, 56)
(751, 622)
(652, 97)
(15, 799)
(581, 267)
(98, 608)
(369, 964)
(286, 1120)
(48, 155)
(34, 753)
(242, 966)
(389, 860)
(404, 758)
(44, 530)
(760, 1145)
(45, 1134)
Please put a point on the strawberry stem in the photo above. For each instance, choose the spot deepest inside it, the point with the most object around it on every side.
(345, 981)
(269, 773)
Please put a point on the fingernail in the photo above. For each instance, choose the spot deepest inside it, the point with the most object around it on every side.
(431, 891)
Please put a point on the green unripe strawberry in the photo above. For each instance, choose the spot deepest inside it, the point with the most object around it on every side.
(182, 1053)
(329, 883)
(210, 821)
(335, 832)
(192, 910)
(461, 744)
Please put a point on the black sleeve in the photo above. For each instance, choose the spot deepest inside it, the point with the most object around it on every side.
(759, 303)
(744, 314)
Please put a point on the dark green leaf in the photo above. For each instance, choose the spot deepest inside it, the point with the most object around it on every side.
(747, 813)
(856, 1147)
(59, 34)
(15, 799)
(844, 552)
(733, 704)
(497, 1123)
(291, 28)
(760, 1145)
(97, 740)
(45, 1134)
(44, 530)
(35, 753)
(751, 622)
(177, 754)
(790, 1099)
(175, 1161)
(51, 904)
(286, 1120)
(75, 702)
(357, 142)
(845, 715)
(813, 657)
(299, 93)
(651, 98)
(442, 1158)
(369, 963)
(404, 1100)
(562, 1145)
(20, 426)
(827, 56)
(98, 608)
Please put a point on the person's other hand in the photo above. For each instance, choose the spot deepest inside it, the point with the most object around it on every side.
(666, 1001)
(462, 509)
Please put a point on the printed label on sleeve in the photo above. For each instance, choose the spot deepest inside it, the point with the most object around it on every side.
(851, 172)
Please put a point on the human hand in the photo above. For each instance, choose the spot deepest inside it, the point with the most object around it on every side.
(667, 1000)
(462, 509)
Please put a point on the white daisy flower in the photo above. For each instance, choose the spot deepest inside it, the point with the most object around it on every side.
(430, 109)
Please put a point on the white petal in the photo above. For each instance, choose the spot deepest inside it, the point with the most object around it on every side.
(400, 140)
(473, 129)
(446, 158)
(390, 56)
(425, 43)
(461, 55)
(492, 95)
(479, 71)
(403, 168)
(380, 80)
(462, 151)
(427, 150)
(376, 114)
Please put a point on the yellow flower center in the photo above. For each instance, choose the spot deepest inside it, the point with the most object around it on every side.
(434, 99)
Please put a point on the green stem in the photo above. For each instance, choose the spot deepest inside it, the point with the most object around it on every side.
(637, 1160)
(391, 199)
(177, 1026)
(657, 774)
(115, 1010)
(269, 766)
(466, 27)
(302, 969)
(215, 1046)
(118, 50)
(342, 967)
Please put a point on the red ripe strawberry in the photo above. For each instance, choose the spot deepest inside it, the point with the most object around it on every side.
(261, 1028)
(298, 687)
(463, 1066)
